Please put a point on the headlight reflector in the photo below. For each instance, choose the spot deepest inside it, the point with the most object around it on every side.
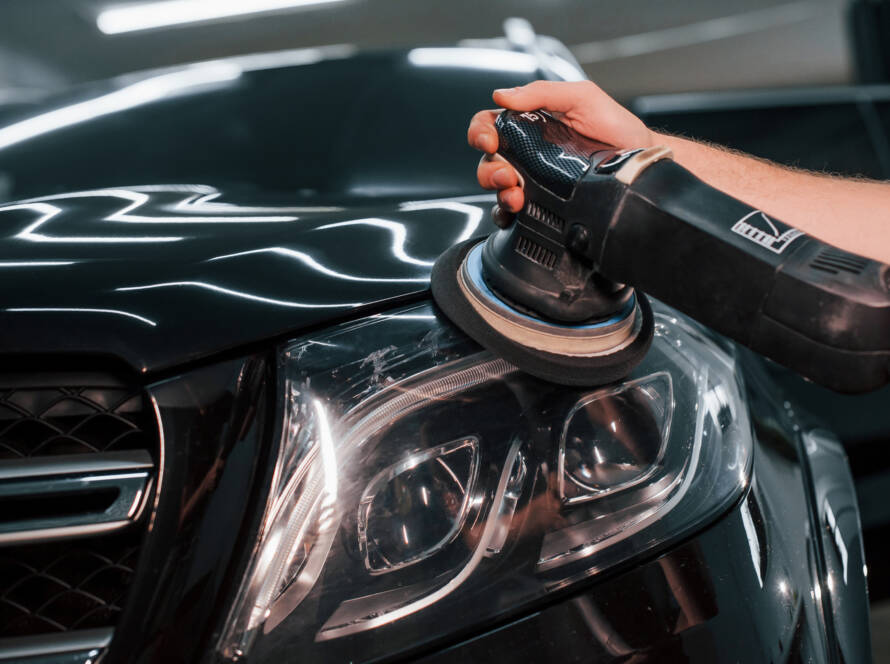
(415, 507)
(615, 438)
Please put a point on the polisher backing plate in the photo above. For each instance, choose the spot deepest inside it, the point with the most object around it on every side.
(567, 355)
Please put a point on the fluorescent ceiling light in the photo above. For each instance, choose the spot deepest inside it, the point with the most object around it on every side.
(148, 15)
(473, 58)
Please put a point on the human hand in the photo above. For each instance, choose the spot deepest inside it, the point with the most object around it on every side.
(582, 105)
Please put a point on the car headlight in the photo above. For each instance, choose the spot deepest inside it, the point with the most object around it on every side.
(424, 486)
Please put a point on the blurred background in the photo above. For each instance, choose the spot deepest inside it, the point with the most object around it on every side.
(631, 47)
(638, 50)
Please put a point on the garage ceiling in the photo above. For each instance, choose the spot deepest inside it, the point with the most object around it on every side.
(629, 47)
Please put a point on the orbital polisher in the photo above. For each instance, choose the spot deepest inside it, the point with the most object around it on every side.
(559, 289)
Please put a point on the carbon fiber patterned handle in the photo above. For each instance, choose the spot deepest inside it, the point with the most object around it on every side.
(548, 151)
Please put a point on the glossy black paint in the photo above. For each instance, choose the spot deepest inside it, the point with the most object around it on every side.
(216, 428)
(299, 194)
(180, 285)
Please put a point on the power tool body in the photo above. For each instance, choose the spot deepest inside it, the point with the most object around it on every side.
(560, 290)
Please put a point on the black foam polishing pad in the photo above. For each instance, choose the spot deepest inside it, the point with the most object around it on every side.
(606, 366)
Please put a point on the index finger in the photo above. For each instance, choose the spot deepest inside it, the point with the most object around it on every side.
(481, 134)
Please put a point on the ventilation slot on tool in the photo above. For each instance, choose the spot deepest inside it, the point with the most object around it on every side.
(535, 252)
(544, 215)
(78, 464)
(835, 261)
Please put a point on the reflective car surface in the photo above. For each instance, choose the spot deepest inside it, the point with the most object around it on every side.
(232, 261)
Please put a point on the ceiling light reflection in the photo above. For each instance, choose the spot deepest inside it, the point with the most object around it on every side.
(474, 214)
(753, 540)
(137, 94)
(148, 15)
(205, 200)
(116, 312)
(399, 236)
(328, 453)
(293, 57)
(472, 198)
(48, 211)
(140, 197)
(240, 294)
(34, 263)
(310, 262)
(474, 58)
(195, 199)
(404, 316)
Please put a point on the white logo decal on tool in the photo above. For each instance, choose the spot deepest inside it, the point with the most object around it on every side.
(760, 229)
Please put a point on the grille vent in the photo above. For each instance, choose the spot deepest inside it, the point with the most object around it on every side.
(78, 458)
(835, 261)
(61, 586)
(49, 421)
(535, 252)
(544, 215)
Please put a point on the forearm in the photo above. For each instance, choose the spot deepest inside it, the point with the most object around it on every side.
(851, 214)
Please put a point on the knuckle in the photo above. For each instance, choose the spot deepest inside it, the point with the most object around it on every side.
(588, 91)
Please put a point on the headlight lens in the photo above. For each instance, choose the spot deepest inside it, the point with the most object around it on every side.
(424, 486)
(415, 507)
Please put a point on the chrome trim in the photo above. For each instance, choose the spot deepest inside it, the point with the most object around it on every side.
(46, 534)
(83, 640)
(70, 464)
(159, 473)
(128, 473)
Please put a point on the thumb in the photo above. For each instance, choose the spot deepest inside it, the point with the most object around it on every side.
(550, 95)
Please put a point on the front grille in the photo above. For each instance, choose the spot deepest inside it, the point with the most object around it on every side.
(51, 584)
(60, 586)
(46, 421)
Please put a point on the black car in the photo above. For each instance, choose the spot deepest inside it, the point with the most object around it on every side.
(233, 426)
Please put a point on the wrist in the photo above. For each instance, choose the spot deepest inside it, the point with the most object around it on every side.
(667, 140)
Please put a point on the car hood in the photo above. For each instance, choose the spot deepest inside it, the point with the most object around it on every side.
(162, 275)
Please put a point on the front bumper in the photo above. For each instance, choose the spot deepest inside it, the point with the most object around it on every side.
(780, 577)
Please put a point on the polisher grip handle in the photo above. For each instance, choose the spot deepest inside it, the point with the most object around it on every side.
(812, 307)
(547, 151)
